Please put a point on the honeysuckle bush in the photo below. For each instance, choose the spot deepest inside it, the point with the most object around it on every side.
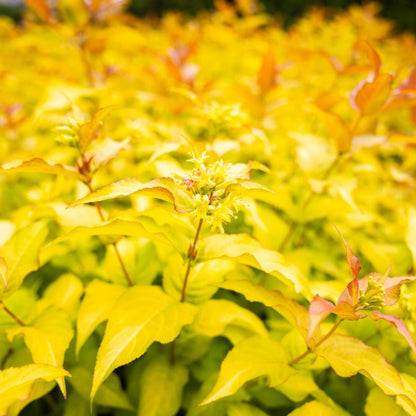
(206, 217)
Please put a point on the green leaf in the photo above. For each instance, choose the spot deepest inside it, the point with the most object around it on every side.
(222, 317)
(293, 312)
(99, 300)
(165, 189)
(244, 249)
(47, 338)
(254, 357)
(141, 316)
(76, 405)
(314, 408)
(161, 388)
(349, 356)
(38, 165)
(22, 254)
(243, 409)
(378, 404)
(17, 383)
(109, 394)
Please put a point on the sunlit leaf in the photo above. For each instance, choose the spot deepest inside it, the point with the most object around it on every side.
(47, 338)
(251, 358)
(99, 300)
(221, 317)
(21, 254)
(348, 356)
(378, 403)
(319, 309)
(244, 249)
(314, 408)
(16, 383)
(38, 165)
(266, 76)
(141, 316)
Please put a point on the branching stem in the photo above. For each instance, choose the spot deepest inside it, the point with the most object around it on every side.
(309, 350)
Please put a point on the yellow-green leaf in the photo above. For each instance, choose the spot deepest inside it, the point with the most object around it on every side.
(99, 300)
(109, 394)
(244, 249)
(22, 254)
(291, 310)
(161, 387)
(255, 356)
(222, 317)
(47, 338)
(349, 356)
(141, 316)
(244, 409)
(411, 232)
(160, 188)
(16, 383)
(314, 408)
(378, 403)
(38, 165)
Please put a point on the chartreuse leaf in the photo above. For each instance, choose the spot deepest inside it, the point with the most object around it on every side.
(378, 403)
(99, 300)
(47, 338)
(254, 357)
(222, 317)
(65, 293)
(38, 165)
(201, 280)
(76, 405)
(16, 383)
(411, 232)
(109, 394)
(244, 249)
(348, 356)
(141, 316)
(161, 387)
(21, 254)
(143, 227)
(296, 314)
(314, 408)
(244, 409)
(161, 188)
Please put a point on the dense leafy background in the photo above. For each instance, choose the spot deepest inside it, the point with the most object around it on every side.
(137, 277)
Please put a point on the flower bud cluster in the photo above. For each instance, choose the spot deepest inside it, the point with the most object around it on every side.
(68, 134)
(214, 201)
(373, 297)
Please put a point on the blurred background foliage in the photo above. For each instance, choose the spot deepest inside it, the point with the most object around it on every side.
(402, 12)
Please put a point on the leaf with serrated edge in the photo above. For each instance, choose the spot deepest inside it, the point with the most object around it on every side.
(254, 357)
(160, 188)
(38, 165)
(222, 317)
(16, 383)
(161, 386)
(21, 253)
(142, 227)
(244, 249)
(47, 338)
(99, 300)
(141, 316)
(292, 311)
(349, 356)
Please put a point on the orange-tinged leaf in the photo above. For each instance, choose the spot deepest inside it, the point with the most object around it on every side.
(365, 47)
(337, 128)
(319, 309)
(41, 8)
(398, 324)
(355, 267)
(88, 131)
(266, 77)
(369, 96)
(38, 165)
